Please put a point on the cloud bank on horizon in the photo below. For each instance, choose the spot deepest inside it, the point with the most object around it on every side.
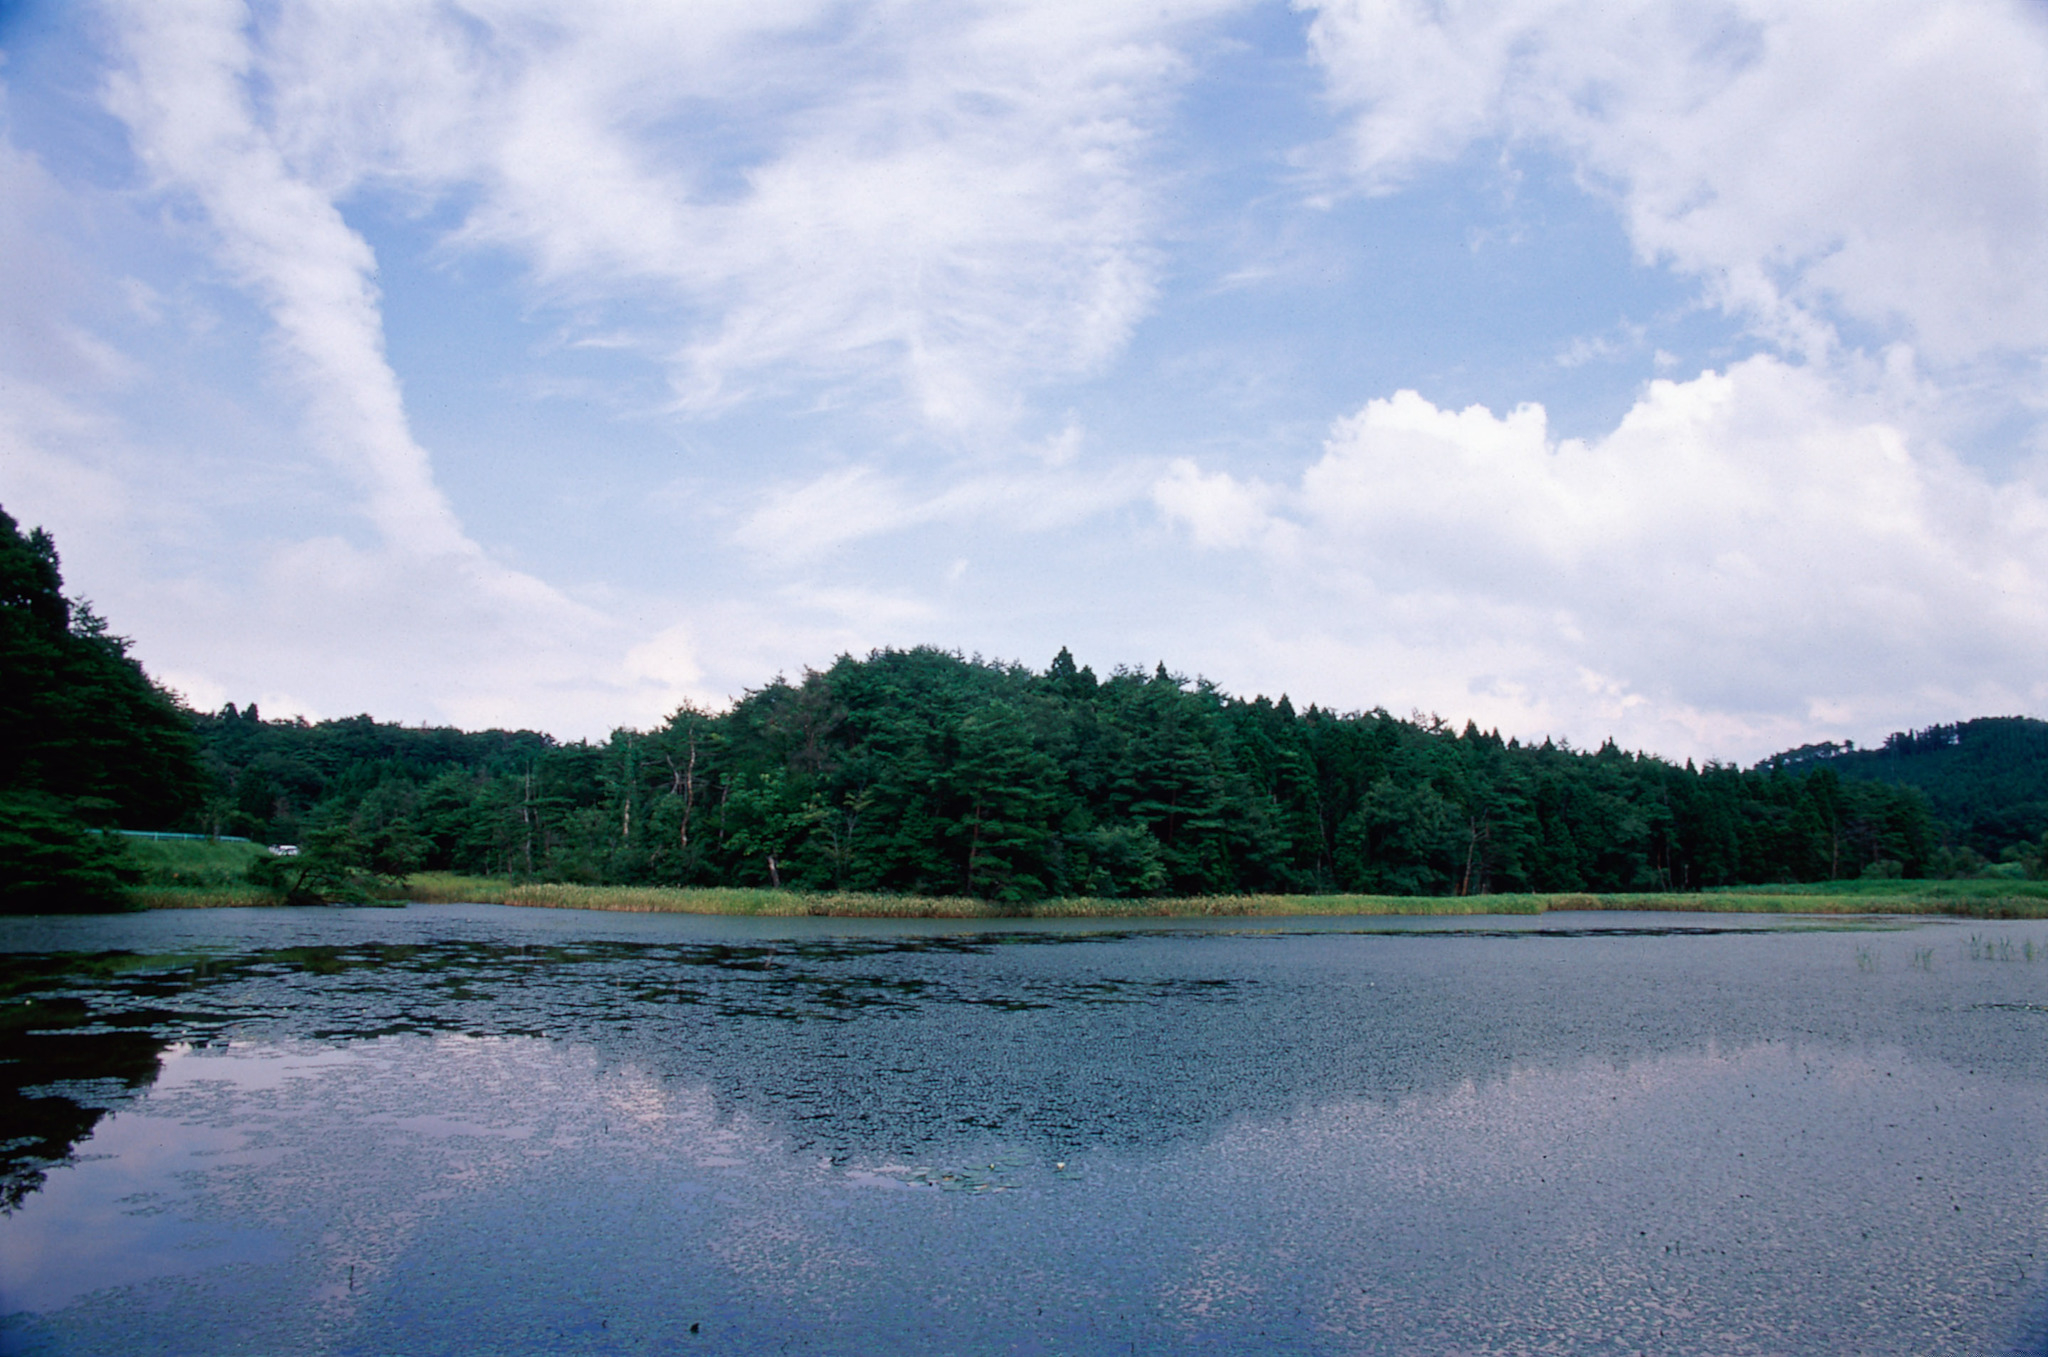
(1670, 372)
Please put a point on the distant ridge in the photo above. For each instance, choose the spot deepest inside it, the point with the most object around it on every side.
(1986, 779)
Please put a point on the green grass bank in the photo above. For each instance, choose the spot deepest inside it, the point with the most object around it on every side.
(195, 873)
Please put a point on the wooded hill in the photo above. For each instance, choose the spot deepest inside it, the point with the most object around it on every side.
(921, 771)
(1985, 780)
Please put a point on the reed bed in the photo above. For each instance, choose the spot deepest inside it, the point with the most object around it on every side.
(195, 873)
(449, 888)
(1974, 899)
(1969, 899)
(1972, 888)
(229, 896)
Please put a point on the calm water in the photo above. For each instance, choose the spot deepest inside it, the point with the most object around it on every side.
(456, 1129)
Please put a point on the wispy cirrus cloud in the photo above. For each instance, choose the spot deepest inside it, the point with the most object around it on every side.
(804, 522)
(930, 208)
(482, 638)
(182, 92)
(951, 199)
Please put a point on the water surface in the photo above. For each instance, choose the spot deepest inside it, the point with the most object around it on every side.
(463, 1128)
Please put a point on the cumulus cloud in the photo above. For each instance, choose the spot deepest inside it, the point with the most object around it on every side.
(1746, 555)
(1219, 510)
(1883, 162)
(1775, 550)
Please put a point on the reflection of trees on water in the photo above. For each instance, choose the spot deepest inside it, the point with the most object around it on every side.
(862, 1044)
(82, 1033)
(57, 1081)
(907, 1044)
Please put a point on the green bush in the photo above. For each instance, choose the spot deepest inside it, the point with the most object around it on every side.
(53, 863)
(335, 866)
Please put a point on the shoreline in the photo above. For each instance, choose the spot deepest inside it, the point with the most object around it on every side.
(1981, 899)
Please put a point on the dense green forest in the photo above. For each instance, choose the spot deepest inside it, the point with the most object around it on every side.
(1986, 780)
(924, 772)
(921, 771)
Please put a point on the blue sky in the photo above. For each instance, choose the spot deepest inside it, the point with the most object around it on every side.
(1665, 372)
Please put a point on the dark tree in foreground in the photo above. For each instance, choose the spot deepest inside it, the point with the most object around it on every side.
(87, 740)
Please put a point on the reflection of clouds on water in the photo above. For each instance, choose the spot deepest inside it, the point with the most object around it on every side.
(1404, 1144)
(341, 1155)
(1770, 1198)
(114, 1218)
(1217, 1285)
(450, 1190)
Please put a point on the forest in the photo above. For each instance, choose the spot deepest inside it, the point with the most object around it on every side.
(1987, 780)
(925, 772)
(920, 771)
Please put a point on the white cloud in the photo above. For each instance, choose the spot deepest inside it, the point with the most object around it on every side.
(441, 638)
(1747, 556)
(1884, 161)
(949, 200)
(953, 196)
(423, 621)
(802, 523)
(182, 96)
(1219, 510)
(1769, 552)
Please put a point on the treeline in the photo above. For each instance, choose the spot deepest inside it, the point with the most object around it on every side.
(923, 772)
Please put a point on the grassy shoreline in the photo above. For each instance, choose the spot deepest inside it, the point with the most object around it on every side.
(193, 874)
(2000, 899)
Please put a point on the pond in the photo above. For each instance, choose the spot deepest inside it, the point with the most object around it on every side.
(450, 1129)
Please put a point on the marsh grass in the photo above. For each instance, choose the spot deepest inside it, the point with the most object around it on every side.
(193, 863)
(1903, 898)
(766, 903)
(201, 897)
(2002, 949)
(1978, 899)
(449, 888)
